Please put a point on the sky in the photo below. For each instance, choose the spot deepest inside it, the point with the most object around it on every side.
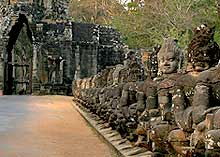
(123, 1)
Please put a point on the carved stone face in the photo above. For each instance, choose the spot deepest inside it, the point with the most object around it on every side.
(93, 81)
(78, 83)
(88, 83)
(168, 63)
(168, 57)
(110, 77)
(83, 84)
(116, 73)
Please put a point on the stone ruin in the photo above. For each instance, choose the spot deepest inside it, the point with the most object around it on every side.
(95, 47)
(169, 109)
(42, 51)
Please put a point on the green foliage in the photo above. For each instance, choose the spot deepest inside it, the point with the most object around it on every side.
(132, 5)
(149, 24)
(94, 11)
(146, 25)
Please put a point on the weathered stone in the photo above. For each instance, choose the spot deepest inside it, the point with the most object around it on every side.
(159, 94)
(61, 50)
(203, 51)
(191, 101)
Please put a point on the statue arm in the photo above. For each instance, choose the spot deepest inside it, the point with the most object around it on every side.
(178, 100)
(182, 112)
(124, 103)
(200, 102)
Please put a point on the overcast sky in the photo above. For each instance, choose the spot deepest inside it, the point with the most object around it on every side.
(123, 1)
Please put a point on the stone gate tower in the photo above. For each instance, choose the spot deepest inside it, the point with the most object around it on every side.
(41, 50)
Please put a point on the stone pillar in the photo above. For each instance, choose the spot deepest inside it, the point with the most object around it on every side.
(61, 71)
(3, 65)
(34, 75)
(13, 61)
(35, 78)
(94, 60)
(77, 61)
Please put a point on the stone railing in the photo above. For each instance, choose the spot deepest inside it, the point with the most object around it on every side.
(174, 113)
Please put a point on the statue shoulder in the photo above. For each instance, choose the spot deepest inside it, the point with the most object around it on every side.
(169, 81)
(149, 86)
(186, 80)
(209, 76)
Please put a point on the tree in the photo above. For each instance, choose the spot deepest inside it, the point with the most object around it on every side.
(144, 23)
(152, 20)
(94, 11)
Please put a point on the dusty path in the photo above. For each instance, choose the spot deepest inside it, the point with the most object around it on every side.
(46, 126)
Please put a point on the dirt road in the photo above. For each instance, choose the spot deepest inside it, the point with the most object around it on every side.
(46, 126)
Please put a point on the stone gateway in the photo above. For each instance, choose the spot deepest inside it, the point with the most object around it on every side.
(42, 51)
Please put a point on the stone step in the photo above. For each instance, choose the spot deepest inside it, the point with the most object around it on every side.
(135, 151)
(123, 146)
(145, 154)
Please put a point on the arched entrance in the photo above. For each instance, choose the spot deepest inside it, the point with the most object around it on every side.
(18, 65)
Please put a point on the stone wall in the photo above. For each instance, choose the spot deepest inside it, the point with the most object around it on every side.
(96, 47)
(53, 58)
(61, 50)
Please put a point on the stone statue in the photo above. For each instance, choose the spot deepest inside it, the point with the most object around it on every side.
(205, 112)
(102, 79)
(110, 76)
(115, 74)
(128, 97)
(169, 57)
(172, 111)
(89, 83)
(114, 110)
(93, 81)
(54, 66)
(203, 53)
(132, 70)
(135, 111)
(76, 86)
(157, 120)
(129, 103)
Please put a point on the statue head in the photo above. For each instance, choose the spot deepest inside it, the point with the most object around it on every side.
(83, 83)
(134, 68)
(93, 81)
(78, 83)
(102, 95)
(110, 76)
(203, 52)
(88, 83)
(116, 73)
(168, 57)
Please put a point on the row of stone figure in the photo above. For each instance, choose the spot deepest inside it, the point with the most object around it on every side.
(176, 112)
